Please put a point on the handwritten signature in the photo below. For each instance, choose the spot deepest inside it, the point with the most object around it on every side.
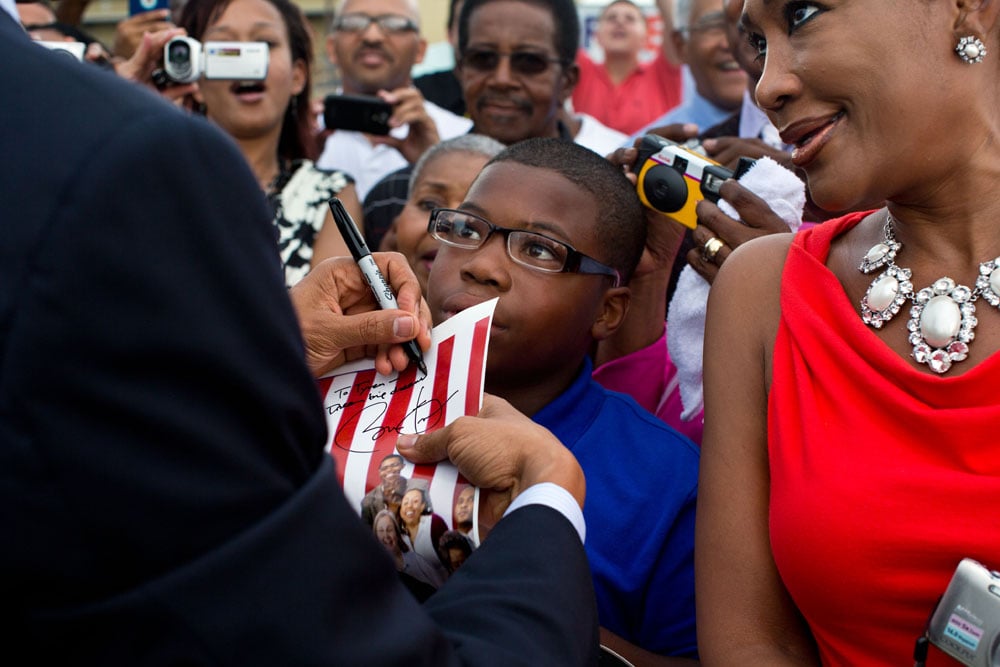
(426, 415)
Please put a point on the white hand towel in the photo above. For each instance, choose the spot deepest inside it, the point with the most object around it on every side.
(786, 195)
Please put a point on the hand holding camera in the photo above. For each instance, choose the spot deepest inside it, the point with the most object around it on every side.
(144, 67)
(672, 179)
(756, 218)
(408, 109)
(358, 113)
(377, 115)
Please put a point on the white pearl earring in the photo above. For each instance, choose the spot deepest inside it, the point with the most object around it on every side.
(971, 49)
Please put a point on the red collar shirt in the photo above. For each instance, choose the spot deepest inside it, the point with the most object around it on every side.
(651, 90)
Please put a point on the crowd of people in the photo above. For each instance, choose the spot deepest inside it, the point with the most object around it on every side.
(177, 273)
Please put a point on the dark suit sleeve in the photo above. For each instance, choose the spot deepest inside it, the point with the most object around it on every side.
(532, 565)
(164, 495)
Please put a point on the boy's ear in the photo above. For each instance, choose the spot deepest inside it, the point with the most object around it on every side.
(613, 309)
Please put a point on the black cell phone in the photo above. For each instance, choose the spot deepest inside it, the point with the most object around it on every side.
(357, 112)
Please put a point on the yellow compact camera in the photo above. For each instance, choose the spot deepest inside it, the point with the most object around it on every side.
(672, 179)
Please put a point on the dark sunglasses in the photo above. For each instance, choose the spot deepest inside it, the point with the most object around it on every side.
(522, 62)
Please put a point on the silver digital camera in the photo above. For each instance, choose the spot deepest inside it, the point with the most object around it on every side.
(185, 60)
(966, 622)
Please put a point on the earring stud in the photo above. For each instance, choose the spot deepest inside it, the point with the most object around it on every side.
(971, 49)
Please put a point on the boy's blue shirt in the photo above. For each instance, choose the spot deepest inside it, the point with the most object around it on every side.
(642, 479)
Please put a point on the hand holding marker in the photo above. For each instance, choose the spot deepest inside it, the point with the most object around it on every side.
(380, 286)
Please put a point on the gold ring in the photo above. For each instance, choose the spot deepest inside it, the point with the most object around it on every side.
(711, 248)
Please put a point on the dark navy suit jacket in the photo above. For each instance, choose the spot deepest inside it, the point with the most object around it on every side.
(164, 494)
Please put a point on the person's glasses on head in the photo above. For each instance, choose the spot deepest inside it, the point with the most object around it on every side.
(388, 23)
(709, 25)
(527, 63)
(460, 229)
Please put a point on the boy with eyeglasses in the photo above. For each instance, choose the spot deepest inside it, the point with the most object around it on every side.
(555, 231)
(374, 44)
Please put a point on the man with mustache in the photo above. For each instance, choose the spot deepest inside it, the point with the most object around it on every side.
(516, 63)
(375, 43)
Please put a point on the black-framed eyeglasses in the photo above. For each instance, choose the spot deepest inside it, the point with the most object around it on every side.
(527, 63)
(388, 23)
(468, 231)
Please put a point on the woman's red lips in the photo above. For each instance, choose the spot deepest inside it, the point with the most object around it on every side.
(808, 137)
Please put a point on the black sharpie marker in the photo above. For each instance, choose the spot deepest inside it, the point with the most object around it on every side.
(380, 286)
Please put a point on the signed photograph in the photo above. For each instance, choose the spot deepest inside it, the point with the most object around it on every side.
(425, 515)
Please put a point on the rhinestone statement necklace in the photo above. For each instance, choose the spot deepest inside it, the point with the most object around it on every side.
(942, 317)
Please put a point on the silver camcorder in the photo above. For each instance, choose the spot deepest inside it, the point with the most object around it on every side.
(185, 60)
(966, 622)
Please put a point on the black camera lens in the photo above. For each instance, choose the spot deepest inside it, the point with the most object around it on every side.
(664, 188)
(179, 52)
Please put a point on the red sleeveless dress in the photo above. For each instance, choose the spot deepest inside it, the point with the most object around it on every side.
(882, 477)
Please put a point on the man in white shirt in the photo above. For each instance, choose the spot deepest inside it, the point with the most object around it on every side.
(375, 43)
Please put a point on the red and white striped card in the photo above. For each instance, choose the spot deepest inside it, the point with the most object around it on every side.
(365, 411)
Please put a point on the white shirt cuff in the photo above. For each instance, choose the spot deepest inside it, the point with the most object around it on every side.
(556, 497)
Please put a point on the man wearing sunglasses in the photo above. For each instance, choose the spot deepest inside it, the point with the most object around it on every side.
(375, 44)
(516, 63)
